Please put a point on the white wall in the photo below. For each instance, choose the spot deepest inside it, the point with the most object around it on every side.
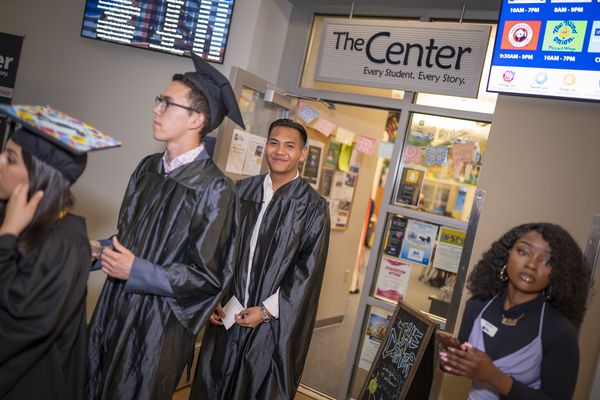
(541, 165)
(112, 88)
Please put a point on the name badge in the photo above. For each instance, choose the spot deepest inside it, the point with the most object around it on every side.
(488, 328)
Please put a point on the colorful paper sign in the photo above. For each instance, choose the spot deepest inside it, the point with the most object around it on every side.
(385, 149)
(463, 152)
(307, 113)
(365, 144)
(344, 159)
(324, 126)
(412, 154)
(344, 136)
(436, 155)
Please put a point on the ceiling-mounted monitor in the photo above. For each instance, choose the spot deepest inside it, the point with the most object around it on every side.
(548, 48)
(170, 26)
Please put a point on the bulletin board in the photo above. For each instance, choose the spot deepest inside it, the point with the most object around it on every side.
(337, 175)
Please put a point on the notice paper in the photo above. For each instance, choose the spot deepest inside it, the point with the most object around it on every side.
(237, 151)
(254, 155)
(449, 249)
(232, 307)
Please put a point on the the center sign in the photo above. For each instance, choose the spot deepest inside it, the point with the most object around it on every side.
(412, 56)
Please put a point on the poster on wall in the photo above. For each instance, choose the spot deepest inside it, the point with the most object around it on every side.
(312, 165)
(338, 213)
(327, 181)
(449, 248)
(392, 280)
(411, 185)
(10, 52)
(419, 241)
(378, 323)
(333, 153)
(254, 155)
(355, 160)
(395, 236)
(237, 151)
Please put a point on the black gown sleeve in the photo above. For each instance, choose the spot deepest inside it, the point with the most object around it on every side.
(34, 294)
(213, 233)
(560, 365)
(298, 299)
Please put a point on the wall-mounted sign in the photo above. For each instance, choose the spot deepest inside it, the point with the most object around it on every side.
(414, 56)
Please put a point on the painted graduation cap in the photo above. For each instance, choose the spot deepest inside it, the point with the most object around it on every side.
(55, 138)
(218, 92)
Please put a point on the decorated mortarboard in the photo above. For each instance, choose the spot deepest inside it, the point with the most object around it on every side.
(55, 138)
(218, 92)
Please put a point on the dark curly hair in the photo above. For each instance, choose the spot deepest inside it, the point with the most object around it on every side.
(569, 277)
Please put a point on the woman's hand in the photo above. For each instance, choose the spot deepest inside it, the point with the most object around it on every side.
(475, 364)
(250, 317)
(19, 211)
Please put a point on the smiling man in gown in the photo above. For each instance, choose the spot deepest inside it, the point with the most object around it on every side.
(284, 238)
(173, 255)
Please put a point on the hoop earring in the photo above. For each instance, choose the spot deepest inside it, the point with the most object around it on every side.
(502, 277)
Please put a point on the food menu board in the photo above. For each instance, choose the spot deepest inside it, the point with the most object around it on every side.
(170, 26)
(548, 48)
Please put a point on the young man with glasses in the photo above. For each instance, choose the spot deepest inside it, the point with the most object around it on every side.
(284, 239)
(174, 251)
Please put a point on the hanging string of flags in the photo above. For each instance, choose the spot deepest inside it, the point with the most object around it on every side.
(364, 144)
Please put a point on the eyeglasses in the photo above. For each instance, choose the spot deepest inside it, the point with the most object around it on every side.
(164, 104)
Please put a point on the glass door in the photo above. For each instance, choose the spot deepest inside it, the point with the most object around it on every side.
(260, 103)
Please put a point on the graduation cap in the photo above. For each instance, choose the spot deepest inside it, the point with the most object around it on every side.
(55, 138)
(218, 92)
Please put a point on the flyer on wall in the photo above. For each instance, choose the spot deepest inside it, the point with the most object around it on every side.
(392, 280)
(254, 155)
(395, 236)
(411, 184)
(378, 323)
(419, 241)
(312, 165)
(449, 248)
(237, 151)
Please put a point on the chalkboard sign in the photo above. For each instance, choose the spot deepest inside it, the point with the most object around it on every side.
(408, 338)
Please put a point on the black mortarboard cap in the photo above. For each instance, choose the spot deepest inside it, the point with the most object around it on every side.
(218, 92)
(55, 138)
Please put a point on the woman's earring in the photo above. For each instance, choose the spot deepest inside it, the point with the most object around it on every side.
(547, 292)
(502, 277)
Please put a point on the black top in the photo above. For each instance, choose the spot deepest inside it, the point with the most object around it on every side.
(266, 362)
(42, 315)
(560, 361)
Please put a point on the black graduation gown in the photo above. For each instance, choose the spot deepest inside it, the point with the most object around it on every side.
(267, 362)
(42, 315)
(186, 222)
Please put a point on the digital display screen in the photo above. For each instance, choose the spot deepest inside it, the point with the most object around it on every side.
(170, 26)
(548, 48)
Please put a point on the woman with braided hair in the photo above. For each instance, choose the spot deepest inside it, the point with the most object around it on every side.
(519, 330)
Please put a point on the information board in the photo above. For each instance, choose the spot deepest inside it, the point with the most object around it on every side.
(406, 356)
(170, 26)
(548, 48)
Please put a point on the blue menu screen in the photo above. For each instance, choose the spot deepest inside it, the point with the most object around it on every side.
(548, 48)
